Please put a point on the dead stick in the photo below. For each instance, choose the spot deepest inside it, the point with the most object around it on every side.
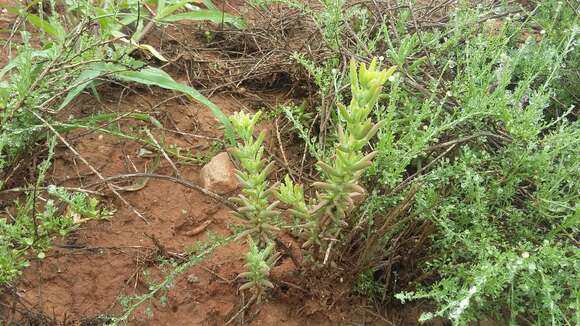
(181, 181)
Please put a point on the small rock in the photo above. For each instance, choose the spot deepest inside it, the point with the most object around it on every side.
(192, 279)
(219, 175)
(143, 152)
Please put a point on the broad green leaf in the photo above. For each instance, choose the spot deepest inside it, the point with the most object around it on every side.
(83, 80)
(159, 78)
(43, 25)
(215, 16)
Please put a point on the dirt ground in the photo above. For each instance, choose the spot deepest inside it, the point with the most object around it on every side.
(88, 272)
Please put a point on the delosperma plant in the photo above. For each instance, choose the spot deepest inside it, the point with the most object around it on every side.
(255, 206)
(258, 265)
(326, 217)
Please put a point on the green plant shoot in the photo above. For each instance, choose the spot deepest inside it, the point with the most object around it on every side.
(258, 263)
(328, 215)
(255, 208)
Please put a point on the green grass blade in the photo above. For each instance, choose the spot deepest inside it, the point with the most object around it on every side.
(158, 77)
(209, 4)
(84, 79)
(168, 10)
(9, 66)
(215, 16)
(147, 76)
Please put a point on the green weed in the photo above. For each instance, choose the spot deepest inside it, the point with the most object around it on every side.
(33, 226)
(475, 172)
(496, 168)
(196, 255)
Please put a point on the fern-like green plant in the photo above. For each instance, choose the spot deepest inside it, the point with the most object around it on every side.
(80, 206)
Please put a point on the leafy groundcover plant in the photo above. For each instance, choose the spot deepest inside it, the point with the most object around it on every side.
(497, 150)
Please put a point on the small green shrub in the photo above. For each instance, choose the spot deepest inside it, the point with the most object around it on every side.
(32, 229)
(494, 149)
(474, 182)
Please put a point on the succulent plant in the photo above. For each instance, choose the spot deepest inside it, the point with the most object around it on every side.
(258, 265)
(326, 217)
(254, 200)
